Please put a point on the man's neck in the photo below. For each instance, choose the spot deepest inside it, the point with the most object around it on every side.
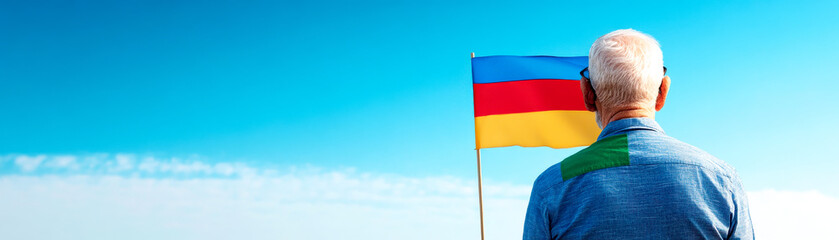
(612, 116)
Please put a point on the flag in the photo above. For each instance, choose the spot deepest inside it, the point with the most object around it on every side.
(531, 101)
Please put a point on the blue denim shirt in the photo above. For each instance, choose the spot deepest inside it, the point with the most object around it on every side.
(635, 182)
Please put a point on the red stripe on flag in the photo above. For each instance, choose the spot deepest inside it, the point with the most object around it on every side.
(527, 96)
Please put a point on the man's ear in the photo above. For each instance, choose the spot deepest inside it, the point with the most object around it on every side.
(662, 93)
(588, 95)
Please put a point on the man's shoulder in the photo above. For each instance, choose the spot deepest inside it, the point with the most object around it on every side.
(631, 149)
(547, 179)
(608, 152)
(650, 149)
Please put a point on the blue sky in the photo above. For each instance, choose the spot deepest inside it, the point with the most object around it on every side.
(383, 87)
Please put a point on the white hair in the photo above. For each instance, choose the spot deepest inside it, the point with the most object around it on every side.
(625, 67)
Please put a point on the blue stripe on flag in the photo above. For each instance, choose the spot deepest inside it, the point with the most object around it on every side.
(492, 69)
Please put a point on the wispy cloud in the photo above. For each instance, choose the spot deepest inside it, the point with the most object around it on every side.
(29, 163)
(794, 214)
(62, 161)
(300, 203)
(126, 164)
(128, 196)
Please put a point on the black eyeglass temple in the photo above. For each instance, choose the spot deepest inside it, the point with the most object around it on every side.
(582, 73)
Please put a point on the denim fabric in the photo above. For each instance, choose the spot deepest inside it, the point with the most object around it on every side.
(669, 190)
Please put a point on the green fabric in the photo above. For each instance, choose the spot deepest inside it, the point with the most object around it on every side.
(609, 152)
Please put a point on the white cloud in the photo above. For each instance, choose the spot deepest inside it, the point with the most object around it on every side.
(103, 198)
(188, 167)
(122, 162)
(128, 164)
(63, 161)
(296, 205)
(794, 215)
(27, 163)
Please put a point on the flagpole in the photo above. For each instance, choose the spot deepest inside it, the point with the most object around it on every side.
(480, 185)
(480, 194)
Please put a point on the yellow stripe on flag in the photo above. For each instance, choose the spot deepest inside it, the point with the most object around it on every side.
(555, 129)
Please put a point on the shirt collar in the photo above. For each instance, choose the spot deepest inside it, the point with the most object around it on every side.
(629, 124)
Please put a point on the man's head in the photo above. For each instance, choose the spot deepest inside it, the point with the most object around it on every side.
(627, 76)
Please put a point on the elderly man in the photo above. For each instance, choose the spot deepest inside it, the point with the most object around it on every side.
(635, 182)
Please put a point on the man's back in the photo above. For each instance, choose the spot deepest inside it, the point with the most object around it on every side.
(637, 183)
